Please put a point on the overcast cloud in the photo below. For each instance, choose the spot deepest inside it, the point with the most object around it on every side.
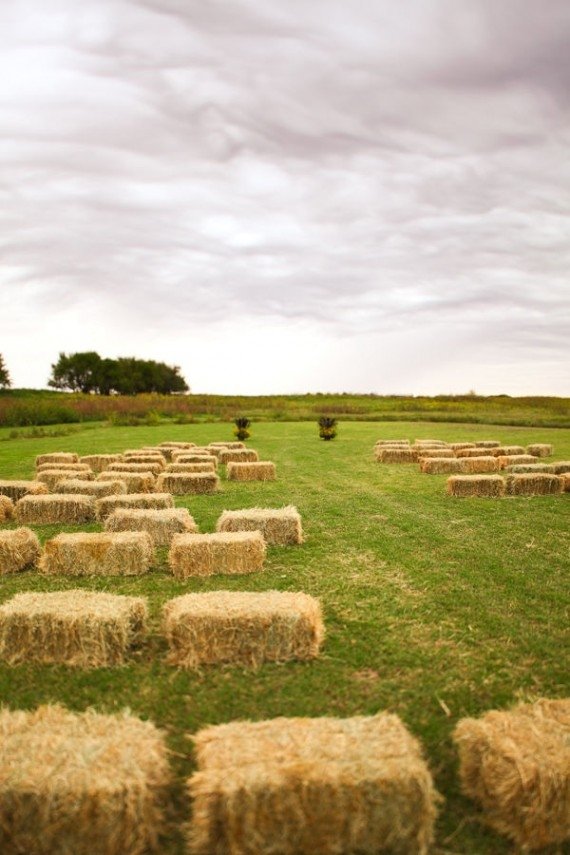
(289, 195)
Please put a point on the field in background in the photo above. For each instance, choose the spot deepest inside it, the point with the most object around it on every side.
(435, 608)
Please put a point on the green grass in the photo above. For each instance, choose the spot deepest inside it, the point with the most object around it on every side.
(435, 608)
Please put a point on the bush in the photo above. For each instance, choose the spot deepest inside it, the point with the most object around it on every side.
(241, 427)
(327, 427)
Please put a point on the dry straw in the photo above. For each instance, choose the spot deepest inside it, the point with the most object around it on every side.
(565, 482)
(540, 449)
(459, 446)
(512, 459)
(71, 467)
(488, 443)
(263, 470)
(242, 628)
(140, 458)
(19, 548)
(6, 509)
(57, 457)
(135, 482)
(530, 467)
(18, 489)
(187, 483)
(208, 554)
(504, 450)
(93, 488)
(472, 452)
(478, 465)
(302, 786)
(440, 465)
(80, 783)
(391, 442)
(238, 455)
(535, 484)
(482, 486)
(195, 457)
(125, 553)
(129, 465)
(279, 526)
(206, 466)
(80, 628)
(516, 764)
(161, 525)
(424, 453)
(52, 477)
(395, 454)
(176, 444)
(561, 467)
(156, 501)
(99, 462)
(233, 444)
(55, 508)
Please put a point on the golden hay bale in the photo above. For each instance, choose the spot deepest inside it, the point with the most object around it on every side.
(504, 450)
(534, 484)
(263, 470)
(19, 548)
(242, 628)
(161, 524)
(93, 488)
(516, 764)
(459, 446)
(55, 508)
(52, 477)
(395, 454)
(193, 457)
(99, 462)
(153, 461)
(71, 467)
(124, 553)
(77, 627)
(475, 465)
(301, 786)
(80, 783)
(530, 467)
(484, 486)
(150, 501)
(279, 526)
(135, 482)
(429, 443)
(18, 489)
(209, 554)
(440, 465)
(560, 468)
(6, 509)
(206, 466)
(511, 459)
(472, 452)
(238, 455)
(488, 443)
(565, 477)
(187, 483)
(126, 466)
(232, 444)
(424, 453)
(176, 444)
(391, 442)
(57, 457)
(540, 449)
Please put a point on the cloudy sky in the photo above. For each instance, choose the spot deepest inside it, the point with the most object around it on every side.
(289, 195)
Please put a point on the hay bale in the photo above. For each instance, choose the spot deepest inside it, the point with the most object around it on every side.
(93, 488)
(516, 764)
(530, 467)
(149, 501)
(52, 477)
(232, 444)
(80, 783)
(176, 444)
(187, 483)
(127, 466)
(208, 554)
(471, 452)
(395, 454)
(135, 482)
(392, 442)
(459, 446)
(57, 457)
(534, 484)
(55, 508)
(440, 465)
(242, 628)
(565, 482)
(279, 526)
(560, 468)
(512, 459)
(19, 548)
(206, 466)
(478, 465)
(238, 455)
(505, 450)
(99, 462)
(488, 443)
(482, 486)
(71, 467)
(155, 463)
(124, 553)
(18, 489)
(193, 457)
(6, 509)
(540, 449)
(263, 470)
(161, 525)
(300, 786)
(424, 453)
(80, 628)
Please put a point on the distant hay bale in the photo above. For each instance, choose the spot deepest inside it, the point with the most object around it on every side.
(481, 486)
(55, 508)
(472, 452)
(150, 501)
(516, 764)
(80, 783)
(488, 443)
(560, 468)
(124, 553)
(176, 444)
(512, 459)
(297, 786)
(80, 628)
(71, 467)
(279, 526)
(99, 462)
(136, 482)
(440, 465)
(215, 452)
(540, 449)
(478, 465)
(155, 461)
(534, 484)
(238, 455)
(391, 442)
(52, 477)
(395, 454)
(93, 488)
(530, 467)
(6, 509)
(430, 443)
(18, 489)
(161, 525)
(242, 628)
(193, 457)
(188, 483)
(232, 444)
(57, 457)
(221, 553)
(206, 466)
(424, 453)
(262, 470)
(127, 466)
(19, 548)
(459, 446)
(505, 450)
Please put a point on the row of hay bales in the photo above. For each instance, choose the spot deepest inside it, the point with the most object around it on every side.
(87, 782)
(496, 486)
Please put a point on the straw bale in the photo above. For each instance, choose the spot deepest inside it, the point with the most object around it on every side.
(279, 526)
(93, 488)
(19, 548)
(161, 525)
(238, 455)
(440, 465)
(302, 786)
(560, 468)
(131, 466)
(6, 508)
(136, 482)
(430, 443)
(18, 489)
(263, 470)
(232, 444)
(534, 484)
(488, 443)
(80, 783)
(186, 483)
(56, 508)
(71, 467)
(242, 628)
(150, 501)
(217, 450)
(484, 486)
(540, 449)
(478, 465)
(52, 477)
(193, 457)
(565, 478)
(391, 442)
(516, 764)
(81, 628)
(424, 453)
(395, 454)
(176, 444)
(473, 452)
(99, 462)
(458, 446)
(141, 458)
(210, 554)
(57, 457)
(511, 459)
(530, 467)
(206, 466)
(504, 450)
(116, 553)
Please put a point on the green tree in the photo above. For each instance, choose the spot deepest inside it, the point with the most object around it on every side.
(4, 374)
(77, 372)
(87, 372)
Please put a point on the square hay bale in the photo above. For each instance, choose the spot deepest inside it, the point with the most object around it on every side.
(505, 450)
(424, 453)
(93, 488)
(18, 489)
(124, 553)
(472, 452)
(560, 468)
(430, 443)
(540, 449)
(488, 443)
(223, 552)
(534, 484)
(391, 442)
(55, 508)
(242, 628)
(478, 465)
(565, 478)
(135, 482)
(440, 465)
(161, 525)
(19, 548)
(150, 501)
(206, 466)
(195, 457)
(279, 526)
(81, 628)
(188, 483)
(530, 467)
(131, 466)
(483, 486)
(80, 783)
(57, 457)
(262, 470)
(176, 444)
(6, 509)
(153, 460)
(516, 764)
(459, 446)
(52, 477)
(301, 786)
(238, 455)
(71, 467)
(395, 454)
(99, 462)
(511, 459)
(232, 444)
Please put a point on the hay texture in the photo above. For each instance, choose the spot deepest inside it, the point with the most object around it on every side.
(279, 526)
(534, 484)
(187, 483)
(125, 553)
(242, 628)
(150, 501)
(99, 462)
(459, 446)
(153, 461)
(129, 465)
(52, 477)
(205, 466)
(232, 444)
(176, 444)
(424, 453)
(57, 457)
(472, 452)
(19, 548)
(512, 459)
(302, 786)
(565, 478)
(506, 450)
(478, 465)
(80, 783)
(530, 467)
(391, 442)
(192, 457)
(6, 509)
(71, 467)
(482, 486)
(161, 525)
(440, 465)
(80, 628)
(18, 489)
(208, 554)
(561, 467)
(516, 764)
(540, 449)
(93, 488)
(395, 454)
(55, 508)
(263, 470)
(135, 482)
(238, 455)
(488, 443)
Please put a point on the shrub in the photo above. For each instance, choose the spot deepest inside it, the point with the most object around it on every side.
(327, 427)
(241, 427)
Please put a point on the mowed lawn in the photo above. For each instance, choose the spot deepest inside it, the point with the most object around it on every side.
(435, 608)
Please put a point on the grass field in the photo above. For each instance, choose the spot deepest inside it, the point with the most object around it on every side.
(435, 608)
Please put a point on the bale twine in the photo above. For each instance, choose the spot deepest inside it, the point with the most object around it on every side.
(19, 548)
(540, 449)
(478, 465)
(279, 526)
(242, 628)
(298, 786)
(55, 508)
(395, 454)
(18, 489)
(530, 467)
(206, 466)
(263, 470)
(135, 482)
(482, 486)
(52, 477)
(99, 462)
(440, 465)
(424, 453)
(488, 443)
(224, 552)
(156, 501)
(512, 459)
(127, 466)
(79, 628)
(160, 525)
(93, 488)
(188, 483)
(6, 509)
(534, 484)
(238, 455)
(125, 553)
(57, 457)
(560, 468)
